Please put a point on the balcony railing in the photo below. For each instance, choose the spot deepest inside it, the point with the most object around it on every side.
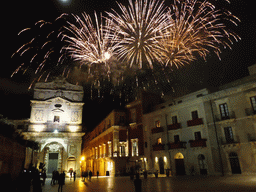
(198, 143)
(158, 147)
(250, 111)
(174, 126)
(195, 122)
(225, 141)
(157, 130)
(177, 145)
(222, 118)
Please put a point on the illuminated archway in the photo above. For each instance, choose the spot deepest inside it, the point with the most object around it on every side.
(179, 156)
(179, 164)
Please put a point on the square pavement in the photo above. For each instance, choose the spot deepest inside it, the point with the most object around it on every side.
(234, 183)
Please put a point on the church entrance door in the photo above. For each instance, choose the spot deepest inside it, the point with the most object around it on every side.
(53, 162)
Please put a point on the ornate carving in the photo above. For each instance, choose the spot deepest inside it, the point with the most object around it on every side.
(39, 115)
(75, 116)
(54, 147)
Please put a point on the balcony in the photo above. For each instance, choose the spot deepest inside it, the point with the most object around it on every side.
(157, 130)
(222, 118)
(194, 122)
(226, 141)
(250, 111)
(158, 147)
(177, 145)
(198, 143)
(174, 126)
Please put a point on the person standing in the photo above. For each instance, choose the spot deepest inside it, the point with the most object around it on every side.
(74, 176)
(90, 175)
(71, 171)
(137, 183)
(61, 181)
(98, 174)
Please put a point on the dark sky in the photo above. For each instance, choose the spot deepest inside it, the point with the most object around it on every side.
(17, 15)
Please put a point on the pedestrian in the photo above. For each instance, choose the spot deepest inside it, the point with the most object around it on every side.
(53, 178)
(44, 177)
(156, 173)
(61, 181)
(98, 174)
(36, 182)
(74, 176)
(137, 183)
(90, 175)
(71, 171)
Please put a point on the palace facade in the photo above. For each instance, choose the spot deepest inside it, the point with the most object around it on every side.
(201, 133)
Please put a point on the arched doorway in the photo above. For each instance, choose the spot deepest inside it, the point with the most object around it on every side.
(234, 163)
(53, 156)
(202, 164)
(179, 164)
(161, 165)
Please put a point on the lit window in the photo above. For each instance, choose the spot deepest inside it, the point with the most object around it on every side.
(224, 111)
(157, 123)
(229, 134)
(135, 150)
(159, 140)
(96, 151)
(109, 149)
(253, 102)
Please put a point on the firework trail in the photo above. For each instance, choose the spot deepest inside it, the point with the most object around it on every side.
(42, 53)
(197, 29)
(139, 28)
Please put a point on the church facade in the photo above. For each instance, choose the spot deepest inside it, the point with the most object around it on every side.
(56, 124)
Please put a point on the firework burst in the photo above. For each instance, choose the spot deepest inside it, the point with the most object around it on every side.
(197, 29)
(91, 44)
(139, 28)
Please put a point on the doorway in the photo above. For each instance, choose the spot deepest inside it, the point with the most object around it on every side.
(53, 162)
(179, 164)
(234, 163)
(202, 164)
(161, 165)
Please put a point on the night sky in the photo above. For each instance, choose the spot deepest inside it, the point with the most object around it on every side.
(17, 15)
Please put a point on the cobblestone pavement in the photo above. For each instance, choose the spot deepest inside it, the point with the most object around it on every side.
(185, 183)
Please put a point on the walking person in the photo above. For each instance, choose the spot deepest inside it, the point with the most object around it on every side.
(36, 182)
(90, 175)
(98, 174)
(71, 172)
(53, 178)
(74, 176)
(137, 183)
(61, 181)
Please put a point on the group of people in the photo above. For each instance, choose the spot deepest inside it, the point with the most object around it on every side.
(87, 174)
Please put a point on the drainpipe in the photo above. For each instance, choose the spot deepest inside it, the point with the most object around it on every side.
(218, 144)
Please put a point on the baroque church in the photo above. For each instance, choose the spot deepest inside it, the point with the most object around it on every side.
(56, 124)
